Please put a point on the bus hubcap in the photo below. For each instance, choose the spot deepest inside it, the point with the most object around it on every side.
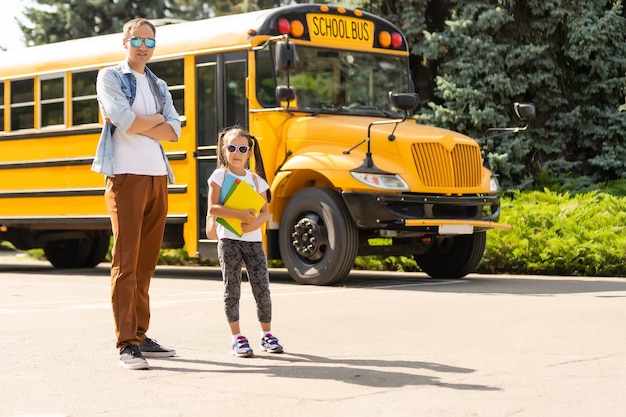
(309, 238)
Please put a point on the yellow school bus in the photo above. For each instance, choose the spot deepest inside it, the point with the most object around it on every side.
(326, 90)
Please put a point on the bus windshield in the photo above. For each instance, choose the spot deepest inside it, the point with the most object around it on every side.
(329, 80)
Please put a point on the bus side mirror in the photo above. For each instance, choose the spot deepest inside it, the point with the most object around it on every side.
(404, 101)
(285, 56)
(525, 111)
(285, 93)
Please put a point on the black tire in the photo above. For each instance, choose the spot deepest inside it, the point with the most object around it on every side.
(318, 239)
(453, 257)
(99, 250)
(70, 253)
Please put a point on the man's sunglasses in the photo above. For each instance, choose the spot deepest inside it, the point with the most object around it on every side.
(136, 42)
(233, 148)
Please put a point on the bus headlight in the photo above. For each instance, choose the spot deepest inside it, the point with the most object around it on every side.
(494, 185)
(384, 181)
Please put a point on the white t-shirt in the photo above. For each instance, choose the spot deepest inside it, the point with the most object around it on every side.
(218, 178)
(134, 153)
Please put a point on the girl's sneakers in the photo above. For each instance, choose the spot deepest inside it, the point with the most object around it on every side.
(241, 348)
(269, 344)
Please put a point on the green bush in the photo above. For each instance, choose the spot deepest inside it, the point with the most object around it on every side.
(559, 234)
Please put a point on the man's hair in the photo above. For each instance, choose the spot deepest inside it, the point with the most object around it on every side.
(133, 24)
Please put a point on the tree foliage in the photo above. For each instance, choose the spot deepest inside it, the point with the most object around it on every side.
(51, 21)
(560, 234)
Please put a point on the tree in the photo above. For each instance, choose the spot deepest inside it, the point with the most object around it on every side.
(55, 21)
(59, 20)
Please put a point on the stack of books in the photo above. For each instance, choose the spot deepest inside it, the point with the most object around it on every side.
(240, 195)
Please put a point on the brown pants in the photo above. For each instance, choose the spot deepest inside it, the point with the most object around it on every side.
(137, 205)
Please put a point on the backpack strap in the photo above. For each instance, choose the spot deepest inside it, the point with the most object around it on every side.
(256, 182)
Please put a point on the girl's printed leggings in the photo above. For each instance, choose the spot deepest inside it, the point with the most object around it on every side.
(232, 254)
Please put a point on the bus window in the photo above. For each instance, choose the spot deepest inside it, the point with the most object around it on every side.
(236, 106)
(84, 101)
(266, 87)
(354, 80)
(206, 111)
(173, 72)
(52, 100)
(23, 104)
(205, 99)
(1, 106)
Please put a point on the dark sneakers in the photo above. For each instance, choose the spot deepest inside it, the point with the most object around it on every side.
(151, 349)
(270, 344)
(131, 358)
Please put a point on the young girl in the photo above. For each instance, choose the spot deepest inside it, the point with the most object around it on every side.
(234, 146)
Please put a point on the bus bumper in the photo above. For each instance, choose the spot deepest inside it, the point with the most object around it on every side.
(427, 214)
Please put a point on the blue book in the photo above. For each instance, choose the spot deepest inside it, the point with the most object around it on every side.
(227, 185)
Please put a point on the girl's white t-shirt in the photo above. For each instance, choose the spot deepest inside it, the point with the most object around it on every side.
(134, 153)
(218, 178)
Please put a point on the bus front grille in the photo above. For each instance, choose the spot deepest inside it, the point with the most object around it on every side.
(439, 167)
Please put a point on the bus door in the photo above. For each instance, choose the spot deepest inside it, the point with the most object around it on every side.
(220, 103)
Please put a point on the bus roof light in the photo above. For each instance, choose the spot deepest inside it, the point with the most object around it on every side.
(283, 26)
(396, 40)
(384, 38)
(297, 29)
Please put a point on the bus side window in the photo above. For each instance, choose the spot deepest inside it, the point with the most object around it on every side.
(52, 102)
(84, 100)
(1, 106)
(22, 104)
(173, 72)
(235, 93)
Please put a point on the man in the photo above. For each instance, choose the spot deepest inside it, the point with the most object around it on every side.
(139, 113)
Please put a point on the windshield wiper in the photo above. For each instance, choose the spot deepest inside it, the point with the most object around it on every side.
(333, 108)
(357, 107)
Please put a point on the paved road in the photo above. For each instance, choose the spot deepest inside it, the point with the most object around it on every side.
(375, 345)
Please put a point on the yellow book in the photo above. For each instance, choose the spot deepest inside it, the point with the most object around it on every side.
(241, 197)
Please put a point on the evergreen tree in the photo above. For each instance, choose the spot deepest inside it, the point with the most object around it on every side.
(59, 20)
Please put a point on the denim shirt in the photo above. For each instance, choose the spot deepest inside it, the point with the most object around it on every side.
(117, 88)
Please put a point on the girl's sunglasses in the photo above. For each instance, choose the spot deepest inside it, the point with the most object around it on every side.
(233, 148)
(136, 42)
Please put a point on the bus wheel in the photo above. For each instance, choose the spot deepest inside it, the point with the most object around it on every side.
(318, 239)
(98, 251)
(70, 253)
(453, 257)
